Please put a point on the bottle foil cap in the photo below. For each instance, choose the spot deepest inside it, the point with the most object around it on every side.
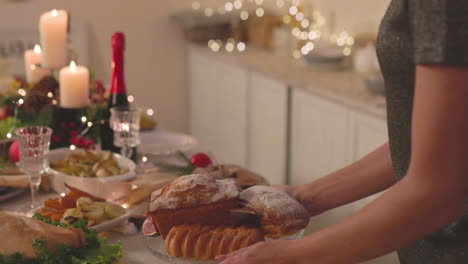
(118, 40)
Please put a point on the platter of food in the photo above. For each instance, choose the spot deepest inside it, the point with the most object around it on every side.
(39, 240)
(197, 217)
(99, 173)
(77, 205)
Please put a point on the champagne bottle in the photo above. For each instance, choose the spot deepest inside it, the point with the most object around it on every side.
(118, 92)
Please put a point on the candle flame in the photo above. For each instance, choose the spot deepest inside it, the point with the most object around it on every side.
(73, 66)
(37, 49)
(54, 13)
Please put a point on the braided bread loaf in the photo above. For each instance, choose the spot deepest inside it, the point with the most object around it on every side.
(199, 242)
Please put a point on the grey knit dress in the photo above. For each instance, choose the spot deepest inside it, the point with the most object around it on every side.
(421, 32)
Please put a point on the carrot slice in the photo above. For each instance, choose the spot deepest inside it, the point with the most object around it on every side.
(56, 217)
(53, 203)
(75, 192)
(52, 213)
(68, 201)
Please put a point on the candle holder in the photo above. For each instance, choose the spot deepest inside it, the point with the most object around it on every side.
(66, 122)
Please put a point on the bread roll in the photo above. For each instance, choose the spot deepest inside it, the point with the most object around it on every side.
(194, 199)
(280, 214)
(199, 242)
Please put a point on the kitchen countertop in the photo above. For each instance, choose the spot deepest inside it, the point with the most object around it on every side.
(343, 87)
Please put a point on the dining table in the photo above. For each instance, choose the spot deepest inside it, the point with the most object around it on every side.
(134, 242)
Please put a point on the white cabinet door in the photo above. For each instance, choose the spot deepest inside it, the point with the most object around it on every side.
(368, 134)
(218, 108)
(319, 146)
(267, 125)
(318, 137)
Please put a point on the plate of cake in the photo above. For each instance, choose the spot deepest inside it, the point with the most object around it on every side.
(198, 217)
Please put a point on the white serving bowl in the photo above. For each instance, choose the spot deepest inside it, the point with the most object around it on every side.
(111, 188)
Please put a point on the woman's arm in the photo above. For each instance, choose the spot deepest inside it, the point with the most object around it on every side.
(369, 175)
(432, 195)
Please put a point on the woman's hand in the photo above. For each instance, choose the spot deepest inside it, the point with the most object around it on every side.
(271, 252)
(296, 193)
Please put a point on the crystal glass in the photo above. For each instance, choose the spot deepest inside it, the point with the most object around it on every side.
(34, 144)
(125, 122)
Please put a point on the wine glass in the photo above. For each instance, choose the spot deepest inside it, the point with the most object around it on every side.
(125, 122)
(33, 144)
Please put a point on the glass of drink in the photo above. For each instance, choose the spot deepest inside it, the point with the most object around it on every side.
(125, 122)
(34, 144)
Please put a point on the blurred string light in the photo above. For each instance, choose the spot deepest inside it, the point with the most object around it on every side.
(293, 10)
(208, 12)
(241, 46)
(228, 6)
(196, 5)
(299, 16)
(306, 29)
(131, 98)
(229, 47)
(238, 4)
(150, 112)
(260, 12)
(244, 15)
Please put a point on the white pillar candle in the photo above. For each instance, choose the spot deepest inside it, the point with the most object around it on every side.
(53, 28)
(74, 86)
(32, 62)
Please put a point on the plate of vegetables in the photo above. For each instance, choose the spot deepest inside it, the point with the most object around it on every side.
(76, 205)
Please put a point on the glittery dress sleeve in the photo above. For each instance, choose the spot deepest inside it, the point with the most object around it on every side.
(440, 31)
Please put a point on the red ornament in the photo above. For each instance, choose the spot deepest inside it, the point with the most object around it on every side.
(201, 160)
(6, 112)
(13, 152)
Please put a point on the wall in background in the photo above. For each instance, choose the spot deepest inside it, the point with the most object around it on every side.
(155, 56)
(155, 60)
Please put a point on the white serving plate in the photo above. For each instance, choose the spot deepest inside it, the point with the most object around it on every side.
(110, 188)
(156, 245)
(105, 226)
(159, 142)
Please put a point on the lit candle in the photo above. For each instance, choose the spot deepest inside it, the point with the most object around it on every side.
(74, 86)
(53, 28)
(32, 61)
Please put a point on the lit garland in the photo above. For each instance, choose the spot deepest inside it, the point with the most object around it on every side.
(306, 29)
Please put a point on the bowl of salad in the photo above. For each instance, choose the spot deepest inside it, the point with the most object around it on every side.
(100, 173)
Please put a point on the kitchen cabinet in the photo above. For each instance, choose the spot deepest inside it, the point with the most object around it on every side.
(319, 137)
(218, 108)
(368, 134)
(325, 137)
(267, 126)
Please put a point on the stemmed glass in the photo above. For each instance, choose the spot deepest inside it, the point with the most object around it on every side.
(34, 144)
(125, 122)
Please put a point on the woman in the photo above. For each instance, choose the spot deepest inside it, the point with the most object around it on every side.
(423, 52)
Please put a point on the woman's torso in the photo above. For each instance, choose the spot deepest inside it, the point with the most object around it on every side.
(396, 49)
